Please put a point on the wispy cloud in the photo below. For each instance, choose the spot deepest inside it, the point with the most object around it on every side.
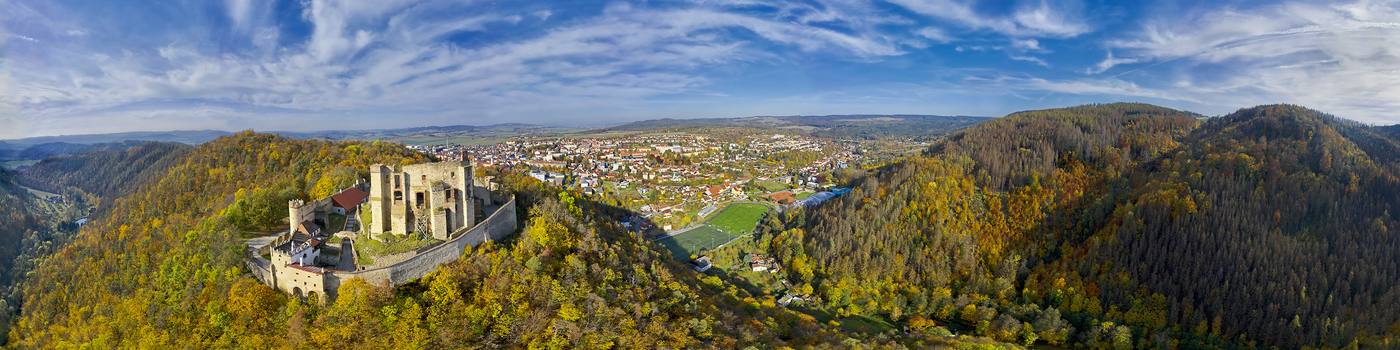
(391, 57)
(1029, 19)
(334, 64)
(1342, 58)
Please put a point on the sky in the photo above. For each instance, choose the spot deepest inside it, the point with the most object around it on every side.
(73, 67)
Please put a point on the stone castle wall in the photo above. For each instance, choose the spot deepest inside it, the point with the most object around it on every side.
(499, 225)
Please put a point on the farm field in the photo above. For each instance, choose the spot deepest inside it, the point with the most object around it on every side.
(733, 221)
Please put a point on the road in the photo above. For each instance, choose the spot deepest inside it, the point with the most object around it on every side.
(259, 242)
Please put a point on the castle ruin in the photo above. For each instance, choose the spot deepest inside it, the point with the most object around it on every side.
(310, 261)
(432, 199)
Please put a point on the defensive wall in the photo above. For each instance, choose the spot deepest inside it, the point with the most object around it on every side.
(500, 224)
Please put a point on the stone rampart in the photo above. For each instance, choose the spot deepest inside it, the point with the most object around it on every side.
(499, 225)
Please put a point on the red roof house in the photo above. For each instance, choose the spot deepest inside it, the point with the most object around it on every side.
(349, 198)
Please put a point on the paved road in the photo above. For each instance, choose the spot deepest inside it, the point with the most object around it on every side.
(259, 242)
(347, 256)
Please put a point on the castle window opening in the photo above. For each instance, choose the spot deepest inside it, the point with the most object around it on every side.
(398, 195)
(420, 198)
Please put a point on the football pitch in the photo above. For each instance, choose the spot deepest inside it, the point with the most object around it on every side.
(733, 221)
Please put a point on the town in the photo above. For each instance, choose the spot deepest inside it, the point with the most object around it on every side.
(675, 178)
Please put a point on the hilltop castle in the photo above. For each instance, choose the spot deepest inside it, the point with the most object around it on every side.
(433, 199)
(430, 199)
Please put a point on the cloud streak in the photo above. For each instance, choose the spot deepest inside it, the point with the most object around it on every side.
(1340, 58)
(237, 64)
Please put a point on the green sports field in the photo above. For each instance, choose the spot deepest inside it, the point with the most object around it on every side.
(733, 221)
(738, 219)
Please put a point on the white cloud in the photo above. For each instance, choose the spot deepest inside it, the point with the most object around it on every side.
(1109, 62)
(389, 58)
(1031, 59)
(239, 12)
(1026, 44)
(935, 34)
(1029, 19)
(1339, 58)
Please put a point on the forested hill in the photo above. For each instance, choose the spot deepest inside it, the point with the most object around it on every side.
(1007, 152)
(1125, 225)
(108, 172)
(165, 271)
(21, 215)
(164, 268)
(1275, 222)
(28, 227)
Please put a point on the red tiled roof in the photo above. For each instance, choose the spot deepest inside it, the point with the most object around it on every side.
(349, 198)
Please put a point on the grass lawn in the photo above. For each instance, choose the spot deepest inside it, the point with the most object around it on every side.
(368, 248)
(701, 238)
(803, 195)
(771, 186)
(335, 222)
(738, 218)
(733, 221)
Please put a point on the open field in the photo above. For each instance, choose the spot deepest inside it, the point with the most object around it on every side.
(15, 164)
(733, 221)
(770, 186)
(700, 238)
(738, 219)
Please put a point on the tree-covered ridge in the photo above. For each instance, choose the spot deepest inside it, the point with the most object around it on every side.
(30, 228)
(107, 172)
(1123, 225)
(1008, 151)
(1273, 224)
(164, 269)
(18, 219)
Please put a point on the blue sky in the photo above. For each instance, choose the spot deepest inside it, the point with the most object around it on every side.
(71, 67)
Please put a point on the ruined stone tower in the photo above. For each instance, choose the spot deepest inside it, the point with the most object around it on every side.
(431, 198)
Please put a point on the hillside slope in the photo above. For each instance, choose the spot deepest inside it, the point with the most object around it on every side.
(31, 228)
(1107, 225)
(165, 271)
(108, 172)
(1274, 222)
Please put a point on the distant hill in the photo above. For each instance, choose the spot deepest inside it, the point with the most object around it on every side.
(38, 148)
(461, 134)
(1393, 130)
(107, 171)
(862, 126)
(191, 137)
